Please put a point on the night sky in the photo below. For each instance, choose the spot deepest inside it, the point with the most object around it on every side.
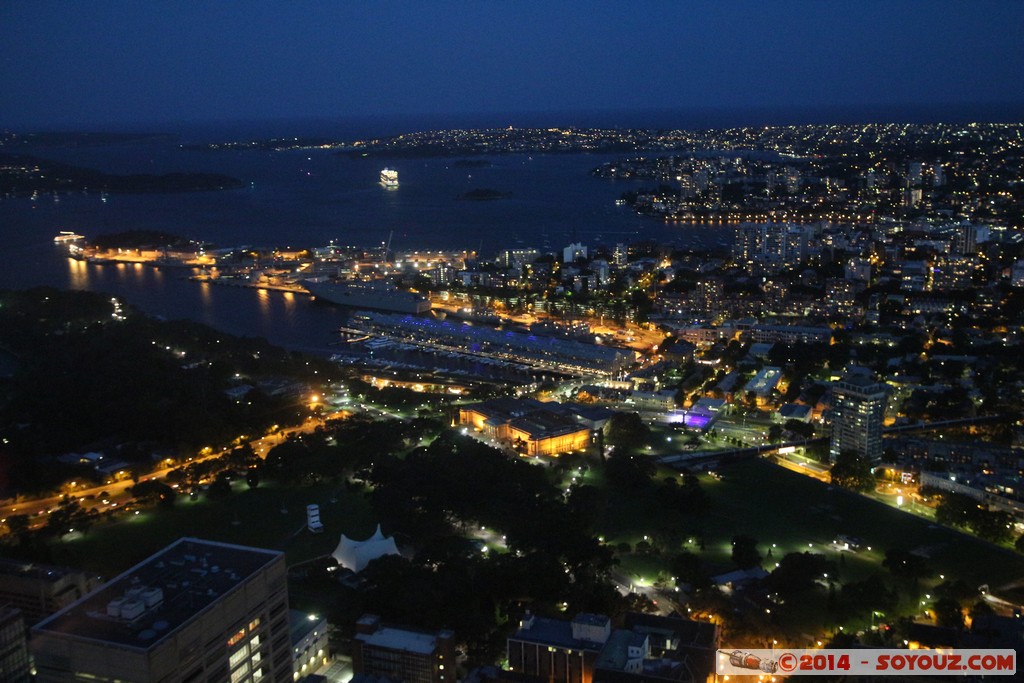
(140, 61)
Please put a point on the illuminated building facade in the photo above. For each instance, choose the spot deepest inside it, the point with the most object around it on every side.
(558, 651)
(858, 411)
(309, 643)
(533, 427)
(647, 649)
(403, 655)
(195, 611)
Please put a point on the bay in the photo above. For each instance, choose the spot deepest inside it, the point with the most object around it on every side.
(308, 198)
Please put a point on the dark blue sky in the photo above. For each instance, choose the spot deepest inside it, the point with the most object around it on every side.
(142, 61)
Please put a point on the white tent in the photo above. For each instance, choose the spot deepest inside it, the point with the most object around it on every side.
(355, 555)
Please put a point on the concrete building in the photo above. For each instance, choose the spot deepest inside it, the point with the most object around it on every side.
(858, 411)
(39, 590)
(576, 250)
(14, 662)
(763, 384)
(309, 643)
(401, 654)
(558, 651)
(588, 650)
(195, 611)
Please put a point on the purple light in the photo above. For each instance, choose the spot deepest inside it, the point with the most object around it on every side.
(696, 420)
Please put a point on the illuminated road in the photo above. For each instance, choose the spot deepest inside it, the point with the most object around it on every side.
(116, 493)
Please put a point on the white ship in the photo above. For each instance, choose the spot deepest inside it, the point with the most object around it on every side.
(380, 296)
(389, 178)
(67, 236)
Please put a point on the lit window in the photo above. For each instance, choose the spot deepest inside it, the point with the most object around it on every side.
(237, 638)
(254, 623)
(238, 656)
(240, 673)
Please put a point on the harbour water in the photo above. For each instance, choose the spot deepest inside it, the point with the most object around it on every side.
(310, 198)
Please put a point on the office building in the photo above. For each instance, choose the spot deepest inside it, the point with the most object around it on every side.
(558, 651)
(588, 650)
(14, 662)
(197, 611)
(401, 654)
(39, 590)
(858, 411)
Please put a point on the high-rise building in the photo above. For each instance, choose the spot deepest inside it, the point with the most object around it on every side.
(576, 250)
(709, 293)
(858, 411)
(771, 245)
(401, 654)
(517, 258)
(14, 663)
(620, 255)
(197, 611)
(966, 239)
(840, 296)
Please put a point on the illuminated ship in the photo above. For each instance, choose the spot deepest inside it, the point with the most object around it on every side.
(379, 296)
(389, 178)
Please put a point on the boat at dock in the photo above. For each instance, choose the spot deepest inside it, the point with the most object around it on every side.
(376, 295)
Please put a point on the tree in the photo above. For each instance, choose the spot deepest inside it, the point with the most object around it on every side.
(155, 492)
(220, 487)
(744, 552)
(869, 594)
(799, 428)
(687, 568)
(18, 525)
(798, 572)
(948, 613)
(629, 471)
(992, 525)
(955, 509)
(252, 478)
(1018, 544)
(852, 472)
(626, 431)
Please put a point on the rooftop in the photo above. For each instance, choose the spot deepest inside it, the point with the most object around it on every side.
(401, 639)
(553, 632)
(616, 650)
(301, 625)
(33, 570)
(156, 597)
